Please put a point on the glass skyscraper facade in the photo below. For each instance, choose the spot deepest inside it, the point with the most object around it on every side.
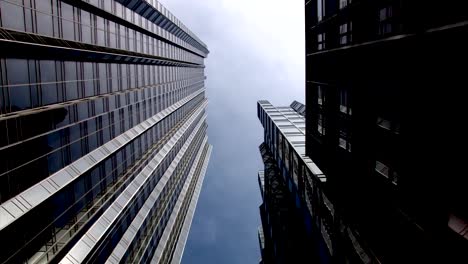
(103, 145)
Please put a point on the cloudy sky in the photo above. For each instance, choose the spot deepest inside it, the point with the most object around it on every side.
(256, 52)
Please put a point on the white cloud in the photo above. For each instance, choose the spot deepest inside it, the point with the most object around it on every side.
(250, 40)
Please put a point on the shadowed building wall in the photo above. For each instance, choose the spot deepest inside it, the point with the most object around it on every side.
(383, 116)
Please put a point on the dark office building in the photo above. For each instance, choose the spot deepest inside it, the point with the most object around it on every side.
(103, 145)
(384, 120)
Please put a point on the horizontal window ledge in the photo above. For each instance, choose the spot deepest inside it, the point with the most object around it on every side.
(144, 6)
(98, 11)
(27, 45)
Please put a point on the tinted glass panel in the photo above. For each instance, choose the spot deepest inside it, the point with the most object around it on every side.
(12, 16)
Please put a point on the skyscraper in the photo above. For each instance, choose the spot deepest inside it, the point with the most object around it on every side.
(383, 123)
(103, 140)
(291, 230)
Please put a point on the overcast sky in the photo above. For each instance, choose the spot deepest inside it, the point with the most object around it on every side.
(256, 52)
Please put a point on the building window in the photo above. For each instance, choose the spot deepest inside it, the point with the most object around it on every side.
(12, 16)
(327, 222)
(280, 146)
(295, 170)
(346, 33)
(320, 9)
(386, 171)
(345, 102)
(320, 95)
(388, 125)
(344, 3)
(385, 18)
(308, 189)
(320, 124)
(321, 41)
(344, 141)
(345, 144)
(458, 225)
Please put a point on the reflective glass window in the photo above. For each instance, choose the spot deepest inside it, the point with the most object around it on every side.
(138, 41)
(47, 68)
(95, 2)
(44, 18)
(99, 106)
(17, 73)
(102, 67)
(71, 77)
(86, 27)
(131, 40)
(92, 141)
(82, 110)
(108, 6)
(112, 35)
(68, 28)
(75, 150)
(19, 97)
(132, 76)
(89, 78)
(48, 78)
(12, 16)
(100, 31)
(114, 76)
(123, 37)
(118, 9)
(55, 161)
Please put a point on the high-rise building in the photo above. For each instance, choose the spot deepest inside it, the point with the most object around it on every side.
(103, 145)
(383, 118)
(287, 233)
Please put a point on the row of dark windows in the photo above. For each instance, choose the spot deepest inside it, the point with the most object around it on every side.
(63, 206)
(332, 23)
(344, 109)
(147, 9)
(317, 210)
(335, 31)
(28, 84)
(25, 164)
(387, 126)
(60, 20)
